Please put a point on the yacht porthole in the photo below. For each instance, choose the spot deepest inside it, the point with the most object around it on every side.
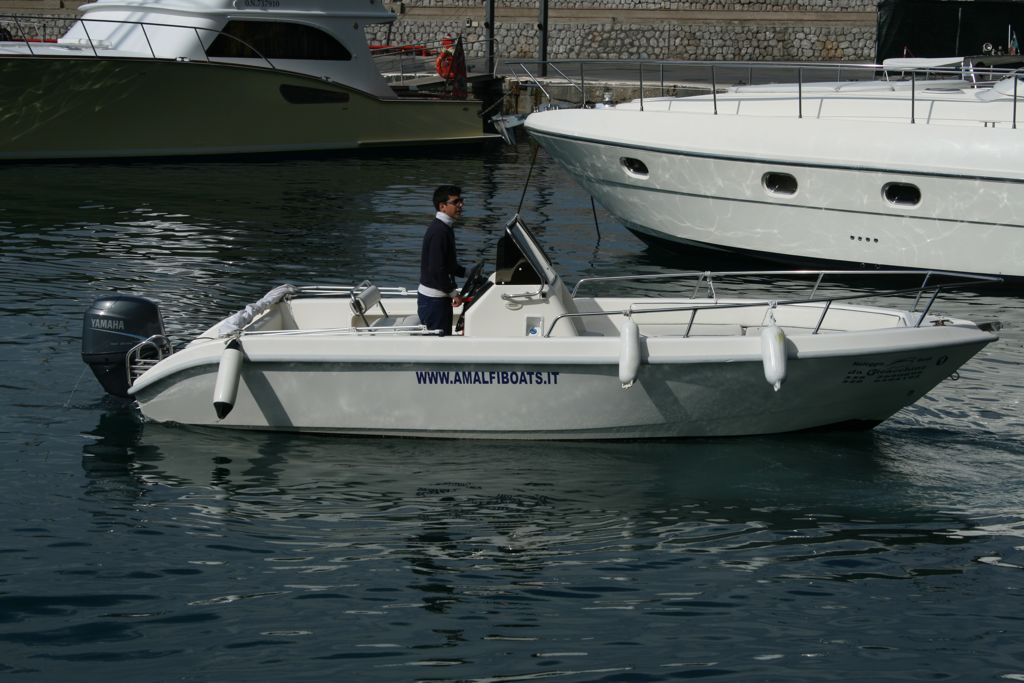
(635, 168)
(776, 183)
(901, 194)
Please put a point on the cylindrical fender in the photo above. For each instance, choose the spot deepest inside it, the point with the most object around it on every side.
(773, 355)
(629, 355)
(228, 372)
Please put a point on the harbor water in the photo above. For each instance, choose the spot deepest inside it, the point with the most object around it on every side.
(161, 553)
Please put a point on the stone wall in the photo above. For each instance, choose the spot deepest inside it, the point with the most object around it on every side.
(761, 30)
(648, 29)
(647, 5)
(699, 41)
(41, 27)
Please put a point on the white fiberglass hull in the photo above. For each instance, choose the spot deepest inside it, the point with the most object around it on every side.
(705, 180)
(566, 388)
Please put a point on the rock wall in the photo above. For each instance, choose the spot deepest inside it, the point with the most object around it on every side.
(649, 29)
(647, 5)
(698, 41)
(36, 27)
(618, 29)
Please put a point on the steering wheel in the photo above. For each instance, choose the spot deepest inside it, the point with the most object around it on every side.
(472, 279)
(475, 285)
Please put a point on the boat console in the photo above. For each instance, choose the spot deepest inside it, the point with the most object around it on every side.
(523, 296)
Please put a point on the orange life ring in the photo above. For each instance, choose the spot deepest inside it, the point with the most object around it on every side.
(446, 65)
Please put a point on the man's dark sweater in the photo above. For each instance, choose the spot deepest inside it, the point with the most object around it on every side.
(438, 266)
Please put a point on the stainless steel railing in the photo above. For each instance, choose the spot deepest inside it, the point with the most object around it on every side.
(711, 75)
(145, 355)
(32, 43)
(706, 280)
(404, 62)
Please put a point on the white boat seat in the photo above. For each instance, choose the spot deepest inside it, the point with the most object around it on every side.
(366, 296)
(397, 321)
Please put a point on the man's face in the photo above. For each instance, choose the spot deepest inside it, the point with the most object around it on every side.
(452, 207)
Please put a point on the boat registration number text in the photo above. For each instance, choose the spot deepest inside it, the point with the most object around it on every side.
(902, 370)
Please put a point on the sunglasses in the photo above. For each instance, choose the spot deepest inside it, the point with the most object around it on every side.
(456, 202)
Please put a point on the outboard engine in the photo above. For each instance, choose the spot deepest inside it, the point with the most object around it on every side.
(112, 326)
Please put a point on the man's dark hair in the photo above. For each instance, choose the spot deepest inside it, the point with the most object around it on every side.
(442, 194)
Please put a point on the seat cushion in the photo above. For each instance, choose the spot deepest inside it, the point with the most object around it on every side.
(406, 321)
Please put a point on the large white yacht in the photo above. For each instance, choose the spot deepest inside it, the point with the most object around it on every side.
(912, 173)
(155, 78)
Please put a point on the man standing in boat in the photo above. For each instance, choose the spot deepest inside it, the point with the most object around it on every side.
(437, 294)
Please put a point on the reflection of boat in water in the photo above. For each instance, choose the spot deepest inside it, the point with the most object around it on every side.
(143, 78)
(908, 173)
(367, 486)
(534, 360)
(121, 447)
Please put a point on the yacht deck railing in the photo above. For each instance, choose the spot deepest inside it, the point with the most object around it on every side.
(406, 62)
(95, 45)
(713, 76)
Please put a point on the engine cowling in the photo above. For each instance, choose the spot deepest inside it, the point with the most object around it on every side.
(111, 327)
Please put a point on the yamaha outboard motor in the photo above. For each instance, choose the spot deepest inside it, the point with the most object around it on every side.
(111, 327)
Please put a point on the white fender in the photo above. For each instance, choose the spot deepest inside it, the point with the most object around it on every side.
(228, 372)
(629, 357)
(773, 355)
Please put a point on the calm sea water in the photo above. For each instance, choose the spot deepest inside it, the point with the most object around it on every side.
(153, 553)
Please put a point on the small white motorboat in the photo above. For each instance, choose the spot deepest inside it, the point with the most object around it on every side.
(532, 359)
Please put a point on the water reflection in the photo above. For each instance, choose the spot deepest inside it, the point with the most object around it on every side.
(470, 546)
(516, 497)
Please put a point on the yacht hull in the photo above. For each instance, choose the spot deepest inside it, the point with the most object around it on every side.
(704, 181)
(557, 388)
(95, 107)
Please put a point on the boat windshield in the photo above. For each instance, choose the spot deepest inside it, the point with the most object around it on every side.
(521, 260)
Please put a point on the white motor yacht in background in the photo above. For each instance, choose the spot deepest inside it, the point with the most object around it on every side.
(909, 173)
(149, 78)
(534, 360)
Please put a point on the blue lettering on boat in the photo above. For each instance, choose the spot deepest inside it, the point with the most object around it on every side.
(503, 377)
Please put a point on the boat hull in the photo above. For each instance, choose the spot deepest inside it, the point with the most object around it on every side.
(95, 107)
(700, 190)
(563, 389)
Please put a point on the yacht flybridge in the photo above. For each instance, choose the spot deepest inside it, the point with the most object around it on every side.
(533, 359)
(921, 171)
(148, 78)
